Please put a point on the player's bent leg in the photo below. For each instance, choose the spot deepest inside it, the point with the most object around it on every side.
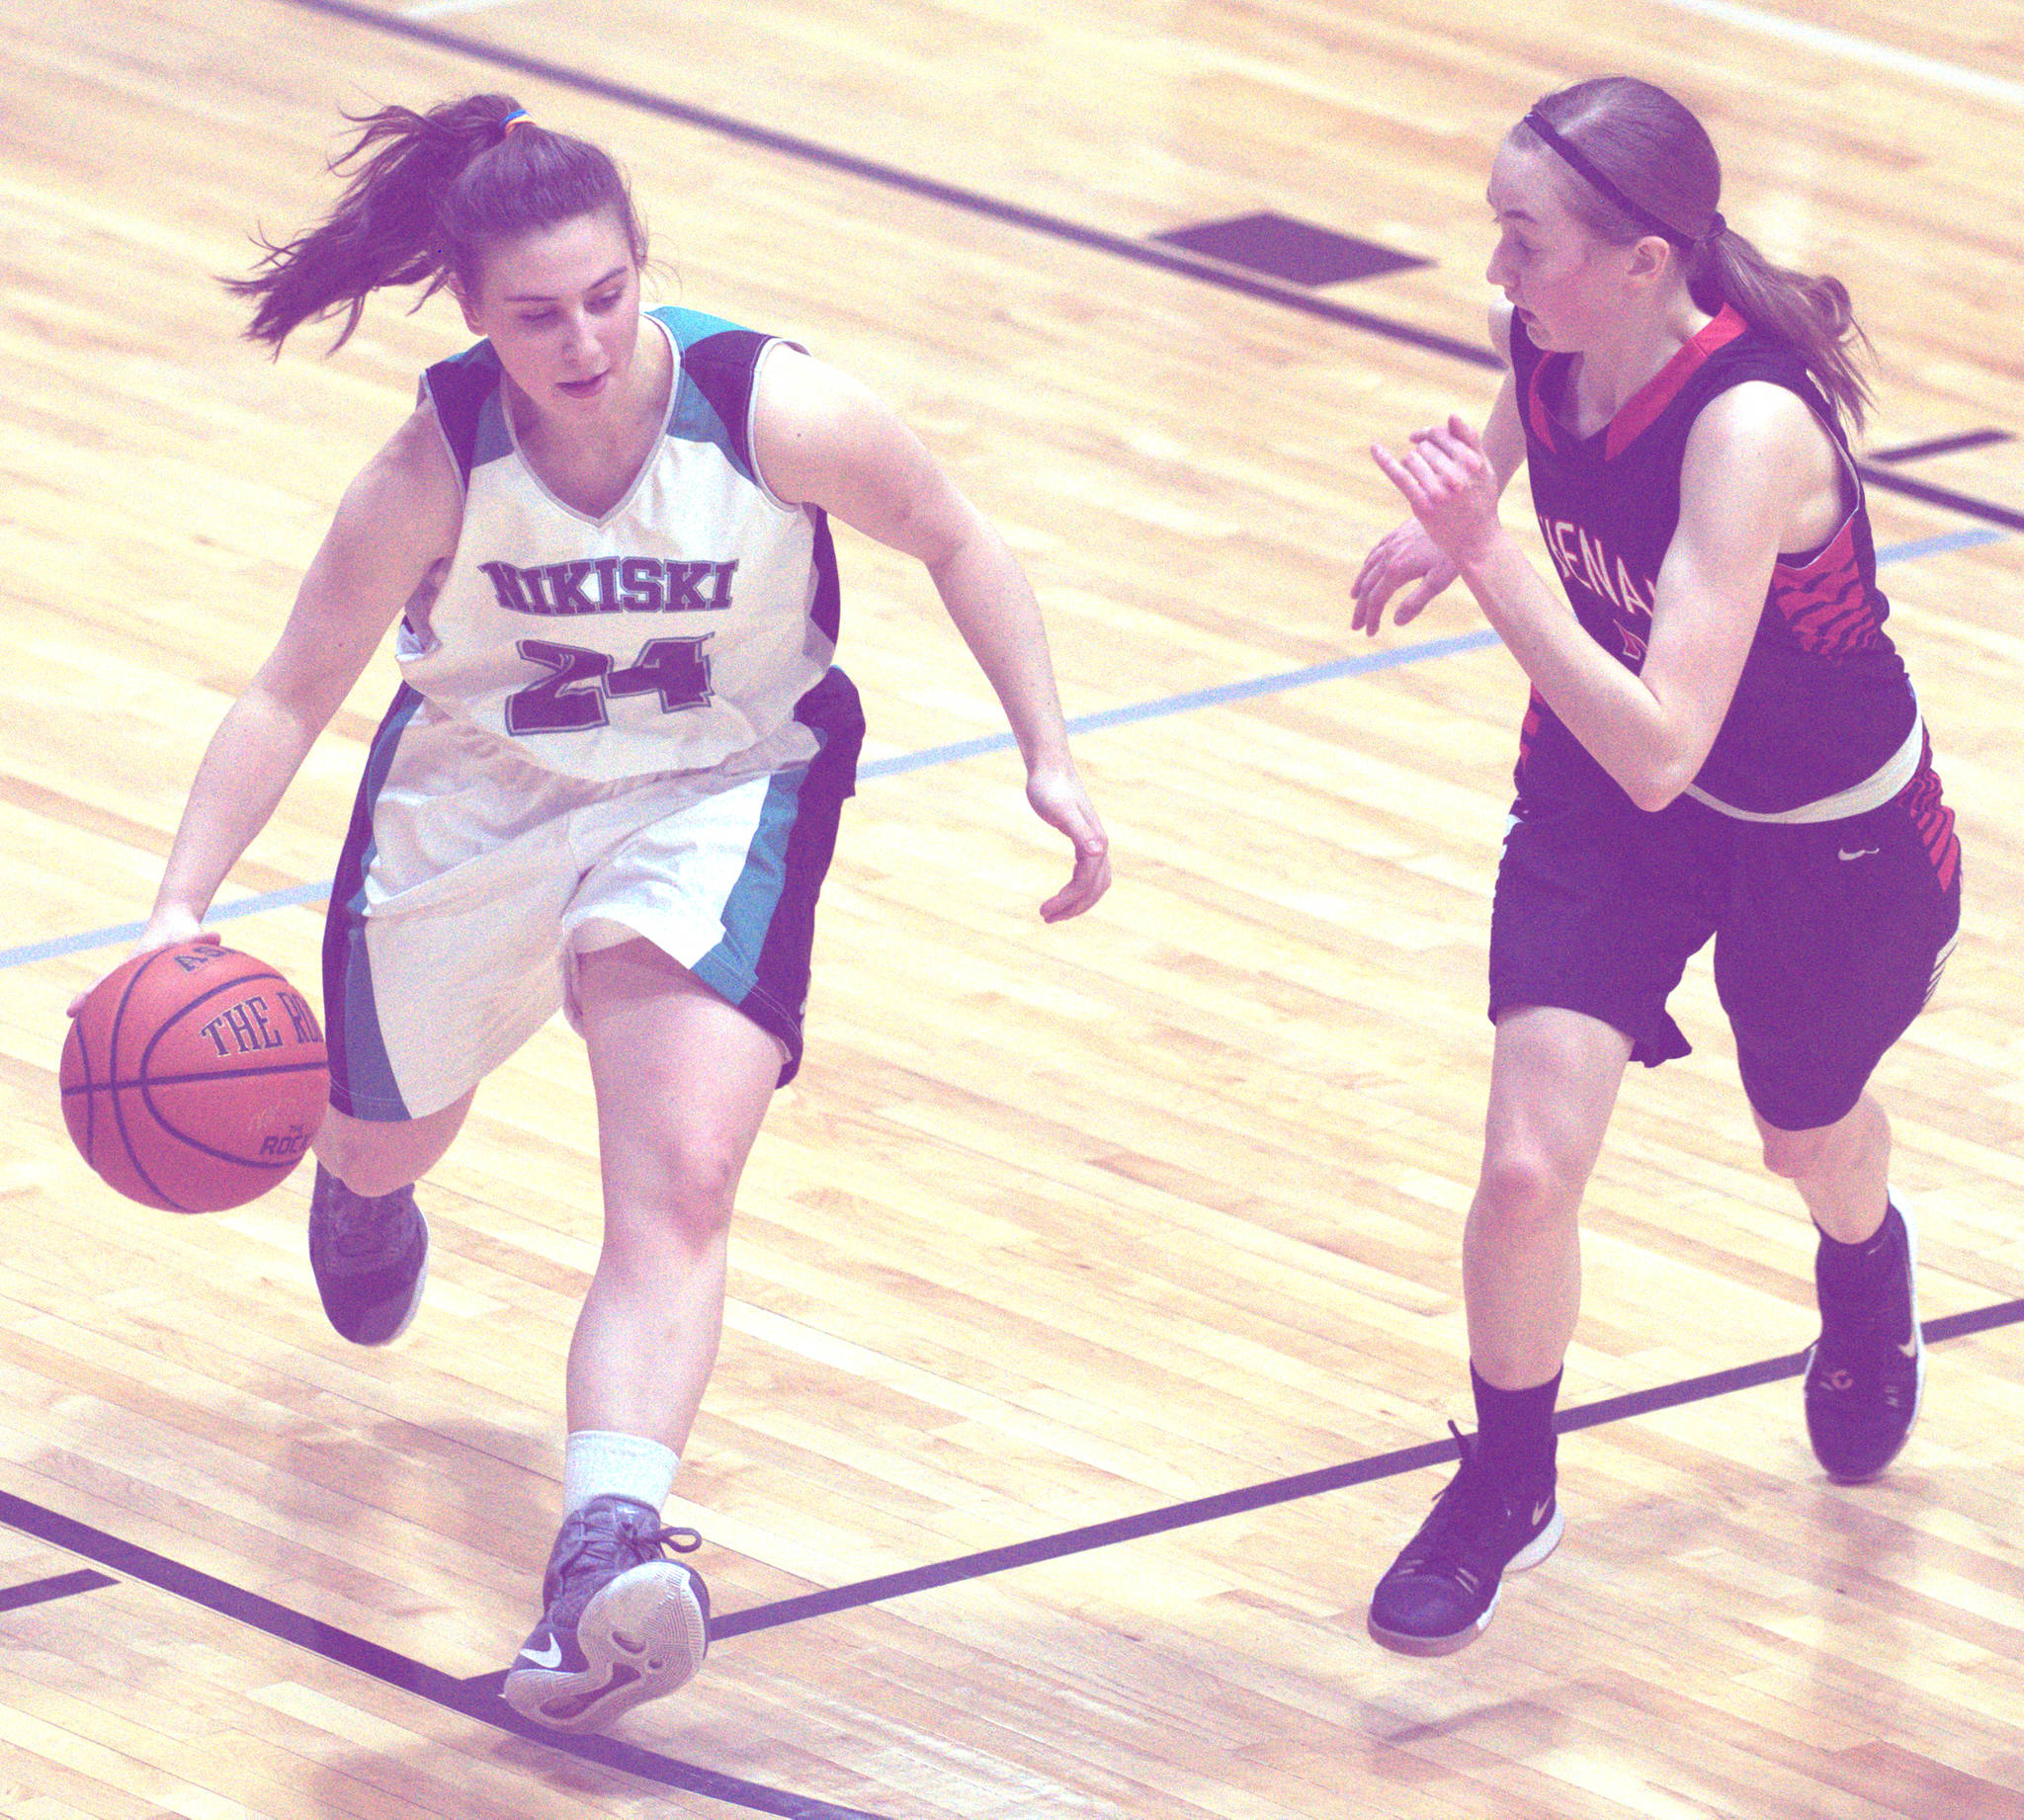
(1553, 1080)
(368, 1244)
(1553, 1087)
(375, 1156)
(683, 1079)
(1865, 1376)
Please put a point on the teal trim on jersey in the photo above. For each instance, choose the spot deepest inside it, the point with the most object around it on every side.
(493, 441)
(479, 354)
(369, 1074)
(731, 967)
(692, 417)
(689, 326)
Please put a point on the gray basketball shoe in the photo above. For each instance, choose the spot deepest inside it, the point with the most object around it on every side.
(621, 1625)
(370, 1254)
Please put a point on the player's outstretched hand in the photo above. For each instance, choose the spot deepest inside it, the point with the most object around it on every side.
(1059, 799)
(164, 931)
(1405, 554)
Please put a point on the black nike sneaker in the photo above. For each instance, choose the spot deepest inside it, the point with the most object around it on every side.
(1866, 1372)
(1442, 1591)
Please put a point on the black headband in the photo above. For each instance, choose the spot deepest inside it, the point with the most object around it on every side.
(1579, 162)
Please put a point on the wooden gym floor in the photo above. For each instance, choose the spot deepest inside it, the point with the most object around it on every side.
(1060, 1228)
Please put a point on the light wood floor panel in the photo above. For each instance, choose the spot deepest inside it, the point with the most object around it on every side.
(1058, 1226)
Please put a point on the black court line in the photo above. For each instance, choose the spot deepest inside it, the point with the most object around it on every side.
(475, 1697)
(1058, 227)
(912, 183)
(1941, 445)
(1983, 509)
(389, 1666)
(61, 1586)
(1301, 1485)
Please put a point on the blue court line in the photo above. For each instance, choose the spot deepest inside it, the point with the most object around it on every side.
(876, 768)
(389, 1666)
(1219, 696)
(1940, 546)
(1185, 704)
(1247, 1498)
(60, 1586)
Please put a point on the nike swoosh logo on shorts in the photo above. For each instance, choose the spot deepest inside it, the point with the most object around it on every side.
(552, 1659)
(1861, 853)
(1539, 1511)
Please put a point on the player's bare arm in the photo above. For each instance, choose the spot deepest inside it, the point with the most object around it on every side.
(1651, 731)
(823, 439)
(396, 525)
(1717, 568)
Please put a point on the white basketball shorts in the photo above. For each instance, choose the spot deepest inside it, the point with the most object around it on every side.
(471, 878)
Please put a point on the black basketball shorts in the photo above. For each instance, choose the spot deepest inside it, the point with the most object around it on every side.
(1829, 937)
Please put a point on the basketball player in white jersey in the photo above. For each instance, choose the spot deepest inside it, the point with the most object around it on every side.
(610, 780)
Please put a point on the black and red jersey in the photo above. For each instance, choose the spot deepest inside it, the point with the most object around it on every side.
(1823, 701)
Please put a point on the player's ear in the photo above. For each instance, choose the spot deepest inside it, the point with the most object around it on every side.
(454, 286)
(1649, 258)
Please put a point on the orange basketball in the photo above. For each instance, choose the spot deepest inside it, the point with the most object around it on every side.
(193, 1078)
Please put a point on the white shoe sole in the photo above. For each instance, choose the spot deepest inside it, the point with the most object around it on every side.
(421, 1283)
(641, 1636)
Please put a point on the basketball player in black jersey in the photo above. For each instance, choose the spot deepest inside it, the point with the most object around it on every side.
(1722, 743)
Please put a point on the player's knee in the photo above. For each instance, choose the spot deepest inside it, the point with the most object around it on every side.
(683, 1187)
(1795, 1154)
(1521, 1188)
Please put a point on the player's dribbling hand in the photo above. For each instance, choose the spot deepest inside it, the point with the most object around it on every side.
(1059, 799)
(1451, 486)
(1405, 553)
(164, 930)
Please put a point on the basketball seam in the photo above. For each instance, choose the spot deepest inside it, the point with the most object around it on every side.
(113, 1066)
(184, 1139)
(210, 992)
(186, 1080)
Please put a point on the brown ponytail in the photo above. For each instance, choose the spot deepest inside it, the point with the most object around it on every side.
(1655, 154)
(422, 209)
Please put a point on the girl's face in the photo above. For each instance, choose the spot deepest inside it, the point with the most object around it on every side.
(1569, 288)
(561, 307)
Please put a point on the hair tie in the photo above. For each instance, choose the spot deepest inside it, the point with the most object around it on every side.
(1582, 166)
(518, 118)
(1716, 226)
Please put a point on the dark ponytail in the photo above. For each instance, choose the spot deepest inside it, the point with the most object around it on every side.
(424, 206)
(1657, 156)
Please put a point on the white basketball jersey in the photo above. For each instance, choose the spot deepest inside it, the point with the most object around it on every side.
(676, 632)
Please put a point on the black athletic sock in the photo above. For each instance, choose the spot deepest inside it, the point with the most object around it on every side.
(1515, 1429)
(1860, 1270)
(1870, 1275)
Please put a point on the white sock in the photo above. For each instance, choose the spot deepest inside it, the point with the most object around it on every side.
(597, 1463)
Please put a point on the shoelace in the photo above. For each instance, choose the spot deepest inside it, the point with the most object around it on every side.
(1435, 1547)
(602, 1550)
(366, 1226)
